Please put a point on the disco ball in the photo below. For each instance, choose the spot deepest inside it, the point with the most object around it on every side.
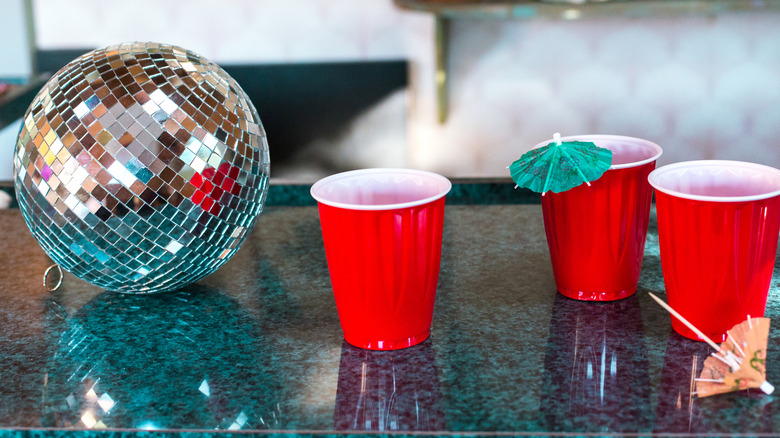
(141, 167)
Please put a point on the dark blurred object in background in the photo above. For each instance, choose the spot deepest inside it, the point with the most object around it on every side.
(298, 103)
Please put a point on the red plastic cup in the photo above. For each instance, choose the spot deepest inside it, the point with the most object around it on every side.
(382, 230)
(718, 225)
(596, 234)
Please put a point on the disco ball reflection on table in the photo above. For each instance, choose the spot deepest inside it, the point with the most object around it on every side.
(141, 167)
(189, 359)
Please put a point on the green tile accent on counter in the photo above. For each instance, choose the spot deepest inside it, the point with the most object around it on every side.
(464, 192)
(257, 347)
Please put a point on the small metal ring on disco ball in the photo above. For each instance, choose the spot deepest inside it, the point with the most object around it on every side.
(141, 167)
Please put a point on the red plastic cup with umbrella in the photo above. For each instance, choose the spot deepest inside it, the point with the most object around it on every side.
(596, 206)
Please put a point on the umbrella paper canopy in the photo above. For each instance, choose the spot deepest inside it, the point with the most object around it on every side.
(746, 343)
(560, 166)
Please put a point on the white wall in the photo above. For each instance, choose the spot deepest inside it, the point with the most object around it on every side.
(706, 87)
(702, 88)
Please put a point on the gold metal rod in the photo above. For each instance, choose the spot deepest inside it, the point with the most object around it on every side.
(441, 39)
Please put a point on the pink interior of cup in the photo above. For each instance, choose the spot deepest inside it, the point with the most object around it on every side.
(375, 189)
(712, 180)
(627, 151)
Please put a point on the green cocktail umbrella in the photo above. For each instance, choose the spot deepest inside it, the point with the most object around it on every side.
(560, 166)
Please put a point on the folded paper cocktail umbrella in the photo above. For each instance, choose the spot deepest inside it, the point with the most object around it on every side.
(747, 342)
(560, 166)
(739, 362)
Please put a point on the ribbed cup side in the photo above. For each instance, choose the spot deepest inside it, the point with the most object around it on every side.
(596, 234)
(717, 259)
(384, 267)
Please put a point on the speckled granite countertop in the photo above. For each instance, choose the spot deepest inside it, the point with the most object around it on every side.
(257, 347)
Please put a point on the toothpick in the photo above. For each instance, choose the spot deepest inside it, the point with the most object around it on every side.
(734, 357)
(728, 357)
(686, 323)
(734, 343)
(728, 361)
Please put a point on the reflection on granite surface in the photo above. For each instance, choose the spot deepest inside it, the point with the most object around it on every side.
(269, 344)
(596, 370)
(389, 390)
(189, 358)
(678, 411)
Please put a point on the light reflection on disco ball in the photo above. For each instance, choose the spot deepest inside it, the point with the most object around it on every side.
(141, 167)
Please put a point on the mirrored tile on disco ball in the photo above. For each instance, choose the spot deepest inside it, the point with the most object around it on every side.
(141, 167)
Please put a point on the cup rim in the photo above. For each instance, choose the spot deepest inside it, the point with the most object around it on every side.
(591, 137)
(654, 175)
(317, 186)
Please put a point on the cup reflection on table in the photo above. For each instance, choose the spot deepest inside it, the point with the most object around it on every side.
(596, 376)
(184, 359)
(389, 390)
(680, 411)
(676, 410)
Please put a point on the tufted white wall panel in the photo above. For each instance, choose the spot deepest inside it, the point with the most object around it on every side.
(701, 87)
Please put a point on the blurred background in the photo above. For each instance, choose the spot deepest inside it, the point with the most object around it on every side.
(343, 84)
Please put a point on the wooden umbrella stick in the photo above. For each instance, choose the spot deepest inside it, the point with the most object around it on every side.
(550, 172)
(687, 324)
(734, 343)
(577, 169)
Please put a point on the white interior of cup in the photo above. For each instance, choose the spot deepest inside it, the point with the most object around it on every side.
(380, 189)
(626, 151)
(719, 181)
